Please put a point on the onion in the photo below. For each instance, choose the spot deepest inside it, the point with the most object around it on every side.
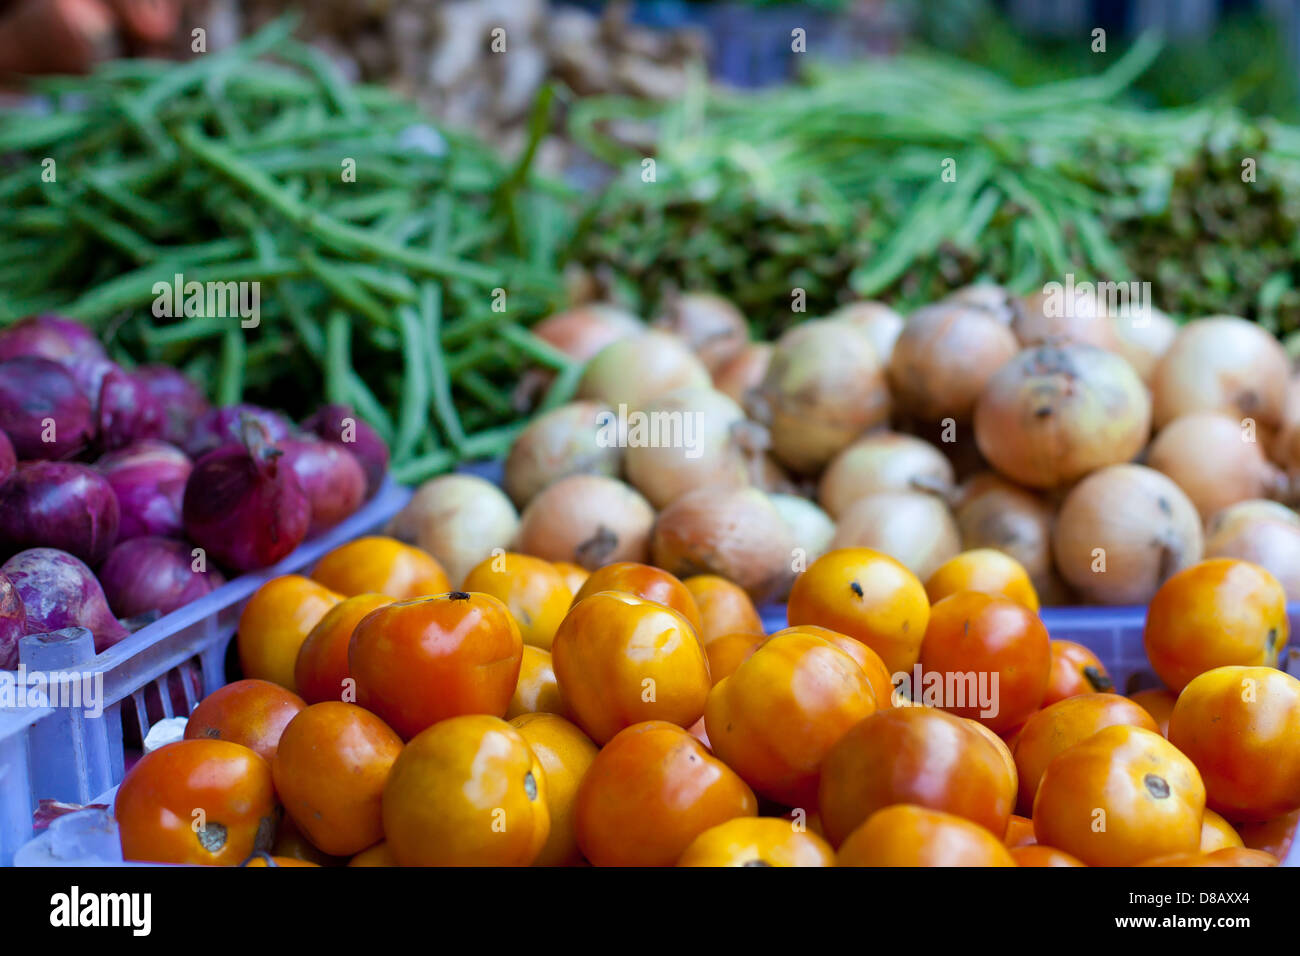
(994, 513)
(56, 504)
(915, 529)
(1215, 461)
(40, 399)
(1122, 531)
(459, 519)
(825, 387)
(877, 321)
(635, 371)
(58, 591)
(329, 475)
(811, 529)
(8, 460)
(126, 411)
(51, 337)
(340, 425)
(944, 357)
(683, 440)
(148, 479)
(1222, 364)
(744, 372)
(883, 461)
(582, 332)
(224, 426)
(1082, 320)
(736, 533)
(1226, 523)
(182, 402)
(587, 520)
(992, 298)
(13, 623)
(1263, 532)
(568, 440)
(154, 574)
(1053, 414)
(714, 329)
(1143, 338)
(243, 505)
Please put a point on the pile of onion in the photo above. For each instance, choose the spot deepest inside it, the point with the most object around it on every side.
(57, 590)
(743, 372)
(1042, 318)
(1216, 460)
(588, 520)
(1053, 414)
(713, 328)
(995, 513)
(43, 410)
(459, 519)
(877, 321)
(883, 461)
(148, 478)
(635, 371)
(914, 528)
(155, 574)
(57, 504)
(686, 439)
(1122, 531)
(579, 438)
(1263, 532)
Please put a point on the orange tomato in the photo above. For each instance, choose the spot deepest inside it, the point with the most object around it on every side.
(422, 661)
(574, 575)
(974, 639)
(330, 771)
(877, 673)
(646, 582)
(196, 801)
(1020, 832)
(1056, 729)
(275, 622)
(377, 855)
(1272, 836)
(249, 712)
(914, 755)
(1036, 855)
(1075, 670)
(531, 588)
(379, 565)
(774, 719)
(909, 835)
(1228, 856)
(1122, 796)
(565, 754)
(757, 841)
(726, 653)
(536, 691)
(867, 596)
(1241, 727)
(1219, 612)
(321, 670)
(1157, 702)
(1004, 751)
(621, 659)
(986, 570)
(467, 792)
(725, 607)
(1217, 833)
(650, 792)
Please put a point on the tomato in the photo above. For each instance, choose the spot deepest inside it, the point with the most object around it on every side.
(377, 855)
(574, 575)
(914, 755)
(909, 835)
(379, 565)
(422, 661)
(1075, 670)
(1228, 856)
(1122, 796)
(774, 719)
(986, 658)
(726, 653)
(650, 792)
(1272, 836)
(1219, 612)
(467, 792)
(275, 622)
(1241, 727)
(249, 712)
(757, 841)
(868, 596)
(1020, 832)
(196, 801)
(1004, 751)
(1036, 855)
(321, 670)
(646, 582)
(620, 659)
(870, 662)
(1157, 702)
(725, 607)
(330, 771)
(531, 588)
(986, 570)
(1056, 729)
(1217, 833)
(565, 754)
(536, 691)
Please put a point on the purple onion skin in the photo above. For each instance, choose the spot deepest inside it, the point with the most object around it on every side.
(8, 460)
(13, 623)
(59, 504)
(52, 337)
(34, 391)
(340, 425)
(57, 591)
(330, 476)
(154, 574)
(221, 426)
(126, 411)
(182, 402)
(149, 479)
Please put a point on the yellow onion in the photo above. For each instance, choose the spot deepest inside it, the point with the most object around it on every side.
(583, 331)
(1045, 319)
(1264, 532)
(883, 461)
(588, 520)
(1055, 413)
(1215, 460)
(876, 321)
(635, 371)
(993, 299)
(565, 441)
(914, 528)
(1122, 531)
(1143, 338)
(459, 519)
(995, 513)
(683, 440)
(744, 372)
(713, 328)
(811, 529)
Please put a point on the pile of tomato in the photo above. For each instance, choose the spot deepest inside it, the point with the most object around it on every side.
(543, 716)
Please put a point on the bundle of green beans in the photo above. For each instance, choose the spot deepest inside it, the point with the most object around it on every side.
(399, 265)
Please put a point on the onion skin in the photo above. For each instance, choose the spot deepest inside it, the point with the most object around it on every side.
(944, 357)
(58, 591)
(877, 321)
(636, 371)
(13, 623)
(339, 424)
(583, 331)
(63, 505)
(329, 475)
(1146, 527)
(993, 299)
(459, 519)
(811, 529)
(33, 390)
(8, 460)
(224, 426)
(913, 528)
(564, 441)
(743, 373)
(1053, 414)
(713, 327)
(182, 402)
(148, 479)
(126, 411)
(1143, 340)
(995, 513)
(587, 520)
(717, 436)
(51, 337)
(883, 461)
(1207, 455)
(154, 574)
(735, 533)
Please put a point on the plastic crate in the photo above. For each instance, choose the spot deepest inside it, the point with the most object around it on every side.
(64, 754)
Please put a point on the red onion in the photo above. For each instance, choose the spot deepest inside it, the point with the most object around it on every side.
(8, 460)
(330, 476)
(149, 480)
(52, 337)
(58, 591)
(154, 574)
(57, 504)
(182, 402)
(39, 400)
(340, 424)
(13, 623)
(222, 426)
(126, 411)
(242, 507)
